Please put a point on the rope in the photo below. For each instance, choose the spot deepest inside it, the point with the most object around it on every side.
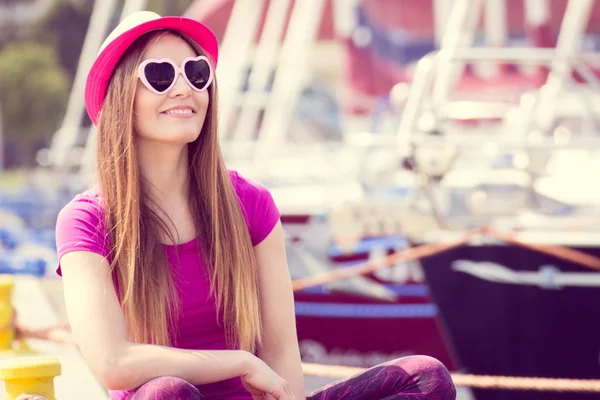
(62, 335)
(561, 252)
(414, 253)
(430, 249)
(476, 381)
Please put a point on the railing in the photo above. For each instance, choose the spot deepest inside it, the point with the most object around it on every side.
(419, 95)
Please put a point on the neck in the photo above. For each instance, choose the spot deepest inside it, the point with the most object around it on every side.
(165, 167)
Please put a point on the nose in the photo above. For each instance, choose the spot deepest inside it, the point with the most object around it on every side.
(181, 87)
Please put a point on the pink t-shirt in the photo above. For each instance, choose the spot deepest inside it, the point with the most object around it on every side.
(80, 227)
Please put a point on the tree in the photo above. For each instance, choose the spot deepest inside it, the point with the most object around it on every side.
(64, 28)
(11, 29)
(33, 92)
(168, 7)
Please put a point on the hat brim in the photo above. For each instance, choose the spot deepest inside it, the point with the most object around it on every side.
(104, 65)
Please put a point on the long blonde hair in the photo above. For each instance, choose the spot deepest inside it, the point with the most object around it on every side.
(143, 276)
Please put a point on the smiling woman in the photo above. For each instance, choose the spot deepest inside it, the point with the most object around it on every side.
(164, 251)
(178, 116)
(174, 268)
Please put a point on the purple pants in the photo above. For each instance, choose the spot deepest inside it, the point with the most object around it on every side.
(407, 378)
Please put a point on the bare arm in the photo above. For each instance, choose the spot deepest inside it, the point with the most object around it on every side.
(280, 342)
(100, 331)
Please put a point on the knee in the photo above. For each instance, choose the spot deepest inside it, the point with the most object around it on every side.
(430, 366)
(432, 376)
(168, 387)
(436, 376)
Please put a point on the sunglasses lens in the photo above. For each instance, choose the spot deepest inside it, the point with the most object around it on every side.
(159, 75)
(198, 73)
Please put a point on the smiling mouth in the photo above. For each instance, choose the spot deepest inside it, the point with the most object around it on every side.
(179, 112)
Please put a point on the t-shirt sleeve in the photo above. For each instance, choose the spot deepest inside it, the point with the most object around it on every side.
(258, 205)
(80, 227)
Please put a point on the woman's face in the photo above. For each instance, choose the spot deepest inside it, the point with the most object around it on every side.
(176, 116)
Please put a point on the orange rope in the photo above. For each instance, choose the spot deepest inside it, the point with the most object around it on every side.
(561, 252)
(411, 254)
(427, 250)
(430, 249)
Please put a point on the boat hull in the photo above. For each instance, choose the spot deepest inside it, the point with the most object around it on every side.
(523, 322)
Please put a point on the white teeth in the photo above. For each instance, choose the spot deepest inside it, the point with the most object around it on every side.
(179, 111)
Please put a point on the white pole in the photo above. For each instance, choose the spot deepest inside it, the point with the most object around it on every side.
(441, 14)
(459, 33)
(496, 32)
(88, 161)
(64, 140)
(263, 65)
(568, 46)
(291, 76)
(234, 54)
(345, 17)
(537, 13)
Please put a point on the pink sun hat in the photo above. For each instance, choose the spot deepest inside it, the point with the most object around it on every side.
(123, 36)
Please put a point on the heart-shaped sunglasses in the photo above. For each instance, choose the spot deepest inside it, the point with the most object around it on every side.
(160, 76)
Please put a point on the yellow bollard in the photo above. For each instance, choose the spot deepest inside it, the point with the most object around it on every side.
(29, 375)
(7, 335)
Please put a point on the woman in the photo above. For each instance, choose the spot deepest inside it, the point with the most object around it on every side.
(175, 275)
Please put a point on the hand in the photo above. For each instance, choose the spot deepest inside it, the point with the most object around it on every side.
(262, 382)
(58, 334)
(12, 324)
(30, 397)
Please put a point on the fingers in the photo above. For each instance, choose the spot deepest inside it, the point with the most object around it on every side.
(60, 334)
(12, 323)
(54, 334)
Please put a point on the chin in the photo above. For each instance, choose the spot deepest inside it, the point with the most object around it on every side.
(184, 137)
(179, 134)
(170, 133)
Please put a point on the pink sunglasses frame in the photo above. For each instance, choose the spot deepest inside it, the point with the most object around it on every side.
(179, 70)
